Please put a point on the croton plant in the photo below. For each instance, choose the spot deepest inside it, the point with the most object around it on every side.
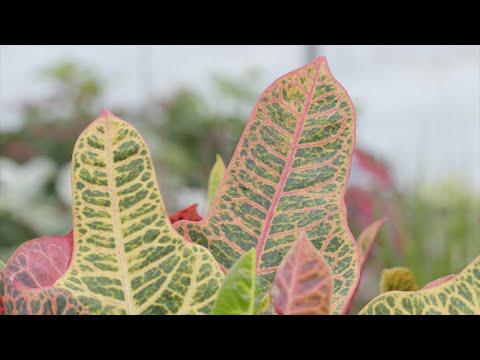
(275, 239)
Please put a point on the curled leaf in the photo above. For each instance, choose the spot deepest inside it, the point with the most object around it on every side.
(287, 175)
(237, 294)
(215, 179)
(366, 240)
(189, 213)
(303, 283)
(398, 278)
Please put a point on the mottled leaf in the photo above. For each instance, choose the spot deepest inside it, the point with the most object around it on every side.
(398, 278)
(39, 263)
(237, 294)
(303, 283)
(367, 238)
(127, 258)
(287, 175)
(460, 295)
(215, 179)
(189, 213)
(14, 301)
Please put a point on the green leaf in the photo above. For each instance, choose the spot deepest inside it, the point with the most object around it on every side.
(215, 179)
(2, 264)
(287, 175)
(237, 294)
(398, 278)
(127, 258)
(452, 295)
(262, 304)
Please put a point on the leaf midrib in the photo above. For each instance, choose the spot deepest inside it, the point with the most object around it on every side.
(119, 246)
(286, 171)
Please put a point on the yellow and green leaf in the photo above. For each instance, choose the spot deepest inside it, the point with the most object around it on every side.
(397, 279)
(456, 295)
(127, 258)
(215, 179)
(303, 283)
(287, 175)
(237, 294)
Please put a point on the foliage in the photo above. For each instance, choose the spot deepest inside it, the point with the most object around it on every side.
(288, 174)
(303, 283)
(277, 226)
(237, 293)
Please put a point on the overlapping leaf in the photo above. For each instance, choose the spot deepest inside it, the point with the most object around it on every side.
(14, 301)
(215, 179)
(127, 258)
(459, 295)
(303, 283)
(237, 294)
(39, 263)
(367, 238)
(189, 213)
(287, 175)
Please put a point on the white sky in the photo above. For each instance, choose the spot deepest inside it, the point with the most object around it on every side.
(418, 106)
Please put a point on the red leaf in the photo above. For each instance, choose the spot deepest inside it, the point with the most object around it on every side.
(303, 284)
(189, 213)
(39, 263)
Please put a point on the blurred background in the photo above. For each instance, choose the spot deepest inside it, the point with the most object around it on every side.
(418, 134)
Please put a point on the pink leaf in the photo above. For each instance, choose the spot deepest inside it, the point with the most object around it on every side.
(303, 284)
(39, 263)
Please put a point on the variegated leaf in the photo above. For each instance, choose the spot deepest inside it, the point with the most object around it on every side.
(367, 238)
(398, 278)
(303, 283)
(189, 213)
(287, 175)
(39, 263)
(127, 258)
(237, 294)
(14, 301)
(459, 295)
(215, 179)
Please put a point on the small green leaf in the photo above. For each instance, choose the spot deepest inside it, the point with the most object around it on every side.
(398, 278)
(215, 179)
(262, 304)
(237, 293)
(2, 264)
